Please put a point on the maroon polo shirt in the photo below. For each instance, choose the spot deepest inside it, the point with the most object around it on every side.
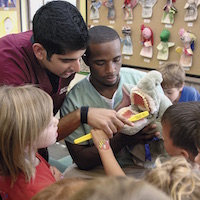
(18, 66)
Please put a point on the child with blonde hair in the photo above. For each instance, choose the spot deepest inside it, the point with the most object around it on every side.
(62, 189)
(174, 83)
(118, 188)
(26, 124)
(176, 177)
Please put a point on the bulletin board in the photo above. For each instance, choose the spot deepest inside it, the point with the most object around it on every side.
(155, 24)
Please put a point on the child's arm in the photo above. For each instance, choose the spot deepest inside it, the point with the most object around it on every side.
(109, 162)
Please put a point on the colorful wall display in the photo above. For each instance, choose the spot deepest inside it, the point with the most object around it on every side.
(162, 50)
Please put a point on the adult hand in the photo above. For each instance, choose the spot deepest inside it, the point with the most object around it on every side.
(56, 173)
(150, 129)
(107, 120)
(145, 135)
(134, 139)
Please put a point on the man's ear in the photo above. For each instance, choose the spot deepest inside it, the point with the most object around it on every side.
(185, 153)
(39, 51)
(85, 59)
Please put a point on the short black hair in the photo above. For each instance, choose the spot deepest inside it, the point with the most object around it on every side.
(184, 121)
(101, 34)
(59, 27)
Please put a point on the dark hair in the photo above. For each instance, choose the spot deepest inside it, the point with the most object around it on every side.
(184, 121)
(101, 34)
(59, 27)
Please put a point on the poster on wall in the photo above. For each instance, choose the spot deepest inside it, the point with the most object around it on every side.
(8, 22)
(7, 3)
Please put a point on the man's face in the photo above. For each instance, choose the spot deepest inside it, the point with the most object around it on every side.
(63, 65)
(105, 61)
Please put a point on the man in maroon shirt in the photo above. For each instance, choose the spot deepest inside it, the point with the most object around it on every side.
(49, 56)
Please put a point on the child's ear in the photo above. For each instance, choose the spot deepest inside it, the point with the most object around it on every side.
(181, 88)
(184, 153)
(39, 51)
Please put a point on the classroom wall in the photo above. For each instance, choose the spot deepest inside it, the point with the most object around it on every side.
(155, 24)
(24, 15)
(82, 8)
(81, 4)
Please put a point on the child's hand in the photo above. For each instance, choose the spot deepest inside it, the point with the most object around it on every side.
(56, 173)
(97, 136)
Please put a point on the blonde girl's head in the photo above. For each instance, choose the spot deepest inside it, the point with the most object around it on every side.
(177, 178)
(118, 188)
(25, 112)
